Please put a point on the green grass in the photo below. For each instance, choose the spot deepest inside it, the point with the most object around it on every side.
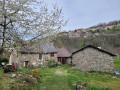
(65, 78)
(52, 81)
(96, 88)
(22, 80)
(117, 64)
(1, 71)
(102, 73)
(24, 69)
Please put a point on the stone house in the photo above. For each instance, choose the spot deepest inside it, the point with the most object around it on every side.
(34, 57)
(91, 58)
(63, 56)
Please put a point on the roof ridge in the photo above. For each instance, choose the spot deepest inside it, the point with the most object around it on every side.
(94, 48)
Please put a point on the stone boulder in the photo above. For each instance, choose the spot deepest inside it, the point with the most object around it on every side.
(12, 75)
(59, 63)
(81, 86)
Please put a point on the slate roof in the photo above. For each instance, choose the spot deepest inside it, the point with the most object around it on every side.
(42, 48)
(62, 52)
(90, 46)
(30, 49)
(48, 48)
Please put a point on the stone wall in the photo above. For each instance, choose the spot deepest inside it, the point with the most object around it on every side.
(92, 59)
(32, 58)
(21, 58)
(48, 56)
(69, 61)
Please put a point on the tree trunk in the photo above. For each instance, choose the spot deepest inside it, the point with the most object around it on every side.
(4, 26)
(3, 39)
(4, 31)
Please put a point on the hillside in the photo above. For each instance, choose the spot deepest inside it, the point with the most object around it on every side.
(108, 39)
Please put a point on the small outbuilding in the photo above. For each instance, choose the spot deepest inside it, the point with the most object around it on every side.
(63, 56)
(91, 58)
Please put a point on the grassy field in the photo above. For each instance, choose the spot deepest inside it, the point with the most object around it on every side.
(117, 64)
(65, 78)
(1, 71)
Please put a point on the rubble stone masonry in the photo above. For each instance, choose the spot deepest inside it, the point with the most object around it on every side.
(92, 59)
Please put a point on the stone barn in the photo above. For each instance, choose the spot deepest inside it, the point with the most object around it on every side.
(91, 58)
(37, 56)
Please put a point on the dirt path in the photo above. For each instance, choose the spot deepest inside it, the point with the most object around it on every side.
(61, 73)
(57, 82)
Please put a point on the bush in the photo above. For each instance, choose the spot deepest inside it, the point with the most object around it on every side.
(4, 59)
(52, 63)
(36, 74)
(82, 44)
(116, 44)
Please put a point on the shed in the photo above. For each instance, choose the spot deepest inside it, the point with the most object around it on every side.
(63, 56)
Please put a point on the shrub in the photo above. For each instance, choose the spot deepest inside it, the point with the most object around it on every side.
(4, 59)
(51, 63)
(82, 44)
(116, 44)
(36, 74)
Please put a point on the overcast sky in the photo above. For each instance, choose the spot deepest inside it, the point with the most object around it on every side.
(86, 13)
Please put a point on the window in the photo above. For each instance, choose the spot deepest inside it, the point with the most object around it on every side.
(52, 54)
(40, 56)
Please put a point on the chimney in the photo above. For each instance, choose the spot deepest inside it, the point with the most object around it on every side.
(99, 47)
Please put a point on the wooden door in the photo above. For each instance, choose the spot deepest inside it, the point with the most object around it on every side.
(61, 60)
(65, 61)
(26, 64)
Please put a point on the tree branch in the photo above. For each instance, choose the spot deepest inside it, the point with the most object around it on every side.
(9, 22)
(1, 24)
(35, 37)
(13, 13)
